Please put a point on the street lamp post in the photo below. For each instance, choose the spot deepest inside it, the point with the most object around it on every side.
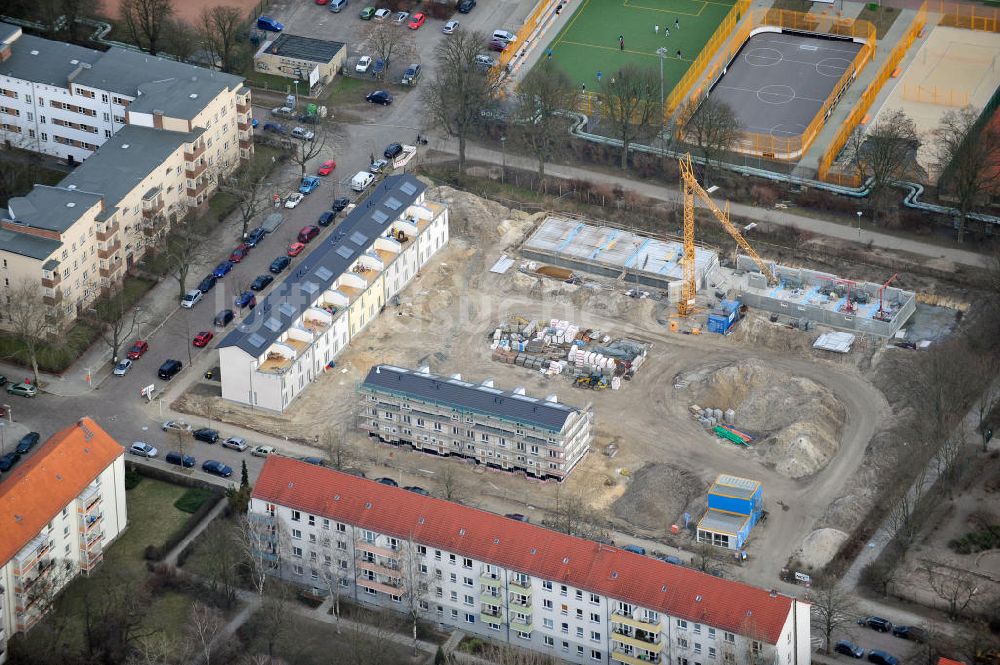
(2, 442)
(662, 52)
(138, 322)
(503, 151)
(859, 225)
(296, 109)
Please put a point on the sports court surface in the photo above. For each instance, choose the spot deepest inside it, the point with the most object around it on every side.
(589, 42)
(778, 81)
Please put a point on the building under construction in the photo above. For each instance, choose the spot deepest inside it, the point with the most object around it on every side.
(860, 307)
(611, 252)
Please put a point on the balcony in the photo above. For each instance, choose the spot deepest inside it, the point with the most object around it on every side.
(246, 143)
(520, 627)
(105, 272)
(647, 626)
(523, 588)
(198, 188)
(91, 521)
(380, 587)
(152, 207)
(487, 617)
(365, 546)
(53, 299)
(90, 498)
(638, 640)
(196, 169)
(386, 571)
(53, 281)
(194, 152)
(109, 250)
(620, 656)
(109, 230)
(522, 604)
(242, 106)
(30, 554)
(490, 599)
(490, 580)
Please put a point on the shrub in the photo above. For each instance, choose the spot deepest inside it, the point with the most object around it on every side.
(152, 553)
(193, 499)
(132, 478)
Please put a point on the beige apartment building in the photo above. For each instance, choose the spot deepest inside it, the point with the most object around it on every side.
(153, 136)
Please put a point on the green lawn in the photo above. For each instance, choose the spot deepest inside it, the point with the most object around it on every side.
(193, 499)
(152, 518)
(589, 42)
(348, 90)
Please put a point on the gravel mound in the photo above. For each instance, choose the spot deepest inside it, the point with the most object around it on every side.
(657, 496)
(819, 548)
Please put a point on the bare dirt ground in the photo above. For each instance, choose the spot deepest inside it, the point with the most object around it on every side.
(666, 459)
(189, 10)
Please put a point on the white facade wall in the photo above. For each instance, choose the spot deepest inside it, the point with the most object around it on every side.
(558, 619)
(74, 542)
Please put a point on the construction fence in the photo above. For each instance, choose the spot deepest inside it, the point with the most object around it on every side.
(859, 114)
(935, 95)
(968, 16)
(790, 147)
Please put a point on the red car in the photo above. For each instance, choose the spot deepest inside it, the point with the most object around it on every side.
(296, 248)
(308, 233)
(417, 20)
(327, 167)
(138, 349)
(498, 45)
(202, 338)
(240, 252)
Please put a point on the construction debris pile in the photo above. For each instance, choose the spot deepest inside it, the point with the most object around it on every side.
(720, 423)
(590, 357)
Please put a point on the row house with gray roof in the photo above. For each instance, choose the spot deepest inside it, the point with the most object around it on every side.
(151, 136)
(332, 295)
(507, 430)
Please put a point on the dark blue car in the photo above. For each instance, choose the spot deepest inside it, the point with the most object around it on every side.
(216, 468)
(255, 236)
(279, 264)
(8, 460)
(268, 23)
(26, 443)
(207, 284)
(327, 218)
(246, 299)
(222, 269)
(174, 457)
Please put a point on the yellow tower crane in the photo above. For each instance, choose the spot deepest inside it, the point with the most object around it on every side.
(691, 188)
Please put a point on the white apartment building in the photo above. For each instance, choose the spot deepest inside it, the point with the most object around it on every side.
(331, 295)
(514, 582)
(59, 509)
(152, 135)
(503, 429)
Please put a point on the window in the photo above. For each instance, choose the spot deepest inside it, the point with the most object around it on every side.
(579, 594)
(682, 624)
(697, 647)
(565, 646)
(563, 590)
(296, 516)
(565, 627)
(595, 654)
(454, 614)
(547, 585)
(547, 623)
(595, 617)
(711, 652)
(469, 600)
(547, 603)
(437, 555)
(452, 559)
(579, 614)
(756, 647)
(421, 550)
(564, 609)
(730, 638)
(595, 636)
(711, 632)
(549, 641)
(579, 631)
(470, 618)
(453, 577)
(297, 552)
(369, 536)
(296, 534)
(579, 650)
(682, 642)
(595, 599)
(297, 570)
(467, 563)
(454, 596)
(326, 524)
(342, 528)
(341, 545)
(467, 581)
(312, 520)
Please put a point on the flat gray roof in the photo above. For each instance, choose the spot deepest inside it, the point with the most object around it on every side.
(741, 488)
(325, 263)
(51, 208)
(466, 396)
(304, 48)
(8, 33)
(720, 522)
(27, 245)
(43, 60)
(125, 160)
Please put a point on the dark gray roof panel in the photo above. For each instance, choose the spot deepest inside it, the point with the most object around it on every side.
(43, 60)
(304, 48)
(322, 266)
(459, 395)
(51, 208)
(29, 245)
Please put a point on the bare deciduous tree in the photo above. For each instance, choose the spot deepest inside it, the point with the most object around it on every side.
(260, 541)
(222, 30)
(885, 153)
(29, 323)
(542, 94)
(630, 100)
(183, 249)
(414, 585)
(387, 42)
(968, 160)
(878, 576)
(714, 128)
(451, 483)
(222, 562)
(180, 39)
(504, 654)
(957, 588)
(833, 609)
(146, 21)
(459, 91)
(252, 194)
(303, 151)
(118, 321)
(334, 569)
(203, 626)
(339, 453)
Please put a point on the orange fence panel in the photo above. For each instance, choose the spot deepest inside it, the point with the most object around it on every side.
(968, 16)
(527, 28)
(935, 95)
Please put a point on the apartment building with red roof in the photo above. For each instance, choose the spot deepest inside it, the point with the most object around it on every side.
(59, 508)
(571, 598)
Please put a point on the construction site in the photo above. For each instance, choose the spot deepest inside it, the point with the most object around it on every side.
(674, 405)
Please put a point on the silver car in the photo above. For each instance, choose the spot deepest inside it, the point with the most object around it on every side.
(262, 451)
(176, 426)
(450, 27)
(142, 449)
(303, 134)
(122, 368)
(235, 443)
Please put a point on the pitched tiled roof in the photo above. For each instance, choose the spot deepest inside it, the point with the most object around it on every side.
(948, 661)
(644, 581)
(55, 474)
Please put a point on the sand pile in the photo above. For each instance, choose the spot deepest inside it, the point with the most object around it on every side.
(475, 217)
(657, 496)
(796, 422)
(819, 548)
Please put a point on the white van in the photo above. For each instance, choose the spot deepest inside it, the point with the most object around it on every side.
(337, 5)
(504, 36)
(361, 181)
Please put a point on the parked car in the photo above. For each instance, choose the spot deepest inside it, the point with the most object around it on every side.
(3, 380)
(216, 468)
(635, 549)
(326, 218)
(485, 61)
(399, 18)
(361, 180)
(22, 389)
(364, 62)
(235, 443)
(450, 27)
(378, 67)
(417, 490)
(383, 97)
(670, 558)
(295, 249)
(914, 633)
(465, 6)
(169, 369)
(191, 298)
(203, 338)
(27, 442)
(882, 658)
(337, 5)
(176, 426)
(256, 236)
(505, 36)
(340, 203)
(516, 516)
(223, 318)
(388, 481)
(275, 127)
(392, 151)
(417, 20)
(279, 264)
(307, 233)
(283, 111)
(367, 13)
(262, 451)
(268, 23)
(206, 434)
(207, 284)
(849, 648)
(261, 282)
(222, 269)
(327, 167)
(382, 14)
(8, 461)
(122, 368)
(304, 134)
(294, 199)
(142, 449)
(876, 623)
(498, 45)
(378, 165)
(246, 299)
(174, 457)
(316, 461)
(239, 253)
(138, 349)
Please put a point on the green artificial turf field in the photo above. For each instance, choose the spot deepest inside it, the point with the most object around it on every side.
(589, 42)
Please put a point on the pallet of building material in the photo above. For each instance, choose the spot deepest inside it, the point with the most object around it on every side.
(723, 433)
(535, 346)
(743, 435)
